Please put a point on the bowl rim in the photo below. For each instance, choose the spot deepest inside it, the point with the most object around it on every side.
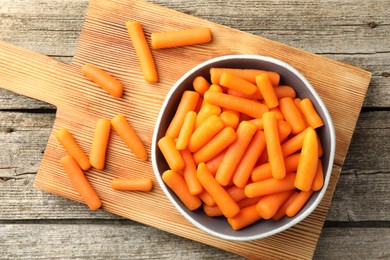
(328, 119)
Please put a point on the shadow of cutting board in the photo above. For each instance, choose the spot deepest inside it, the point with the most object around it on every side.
(104, 41)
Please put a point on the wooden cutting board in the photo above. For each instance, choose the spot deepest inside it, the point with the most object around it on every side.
(104, 42)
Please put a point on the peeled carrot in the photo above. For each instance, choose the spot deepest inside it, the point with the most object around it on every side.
(235, 152)
(269, 204)
(258, 122)
(187, 103)
(80, 182)
(313, 118)
(270, 186)
(257, 95)
(206, 198)
(129, 136)
(267, 90)
(284, 130)
(142, 51)
(200, 84)
(274, 149)
(248, 202)
(205, 112)
(297, 101)
(69, 143)
(230, 119)
(247, 74)
(104, 80)
(212, 211)
(246, 106)
(291, 115)
(132, 184)
(215, 162)
(249, 159)
(171, 154)
(97, 156)
(236, 83)
(216, 88)
(179, 38)
(307, 165)
(186, 130)
(285, 91)
(244, 218)
(281, 212)
(177, 184)
(221, 197)
(298, 202)
(189, 173)
(236, 193)
(278, 114)
(294, 143)
(205, 132)
(318, 180)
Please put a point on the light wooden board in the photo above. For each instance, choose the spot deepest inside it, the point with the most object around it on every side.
(104, 41)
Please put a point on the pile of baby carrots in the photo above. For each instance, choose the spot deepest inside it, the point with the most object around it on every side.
(243, 147)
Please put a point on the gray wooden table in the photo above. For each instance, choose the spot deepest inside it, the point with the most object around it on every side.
(37, 225)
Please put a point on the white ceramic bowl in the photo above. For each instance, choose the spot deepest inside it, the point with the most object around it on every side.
(219, 226)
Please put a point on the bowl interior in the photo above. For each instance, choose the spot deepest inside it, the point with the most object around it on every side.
(289, 76)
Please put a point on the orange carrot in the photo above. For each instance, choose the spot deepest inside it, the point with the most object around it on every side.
(318, 181)
(313, 118)
(142, 51)
(187, 103)
(236, 193)
(263, 157)
(307, 165)
(285, 91)
(297, 204)
(104, 80)
(171, 154)
(278, 114)
(281, 212)
(270, 186)
(212, 211)
(69, 143)
(249, 159)
(80, 182)
(291, 115)
(248, 202)
(206, 198)
(221, 197)
(200, 84)
(235, 152)
(132, 184)
(205, 132)
(267, 90)
(244, 218)
(257, 95)
(294, 143)
(215, 162)
(230, 119)
(247, 74)
(189, 173)
(129, 136)
(231, 81)
(274, 149)
(186, 131)
(205, 112)
(199, 104)
(284, 130)
(215, 146)
(258, 122)
(179, 38)
(246, 106)
(216, 88)
(297, 101)
(177, 184)
(269, 204)
(97, 156)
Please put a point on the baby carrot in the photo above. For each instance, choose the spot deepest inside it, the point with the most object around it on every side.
(142, 51)
(230, 119)
(291, 115)
(313, 118)
(246, 106)
(231, 81)
(267, 90)
(247, 74)
(179, 38)
(215, 162)
(244, 218)
(188, 102)
(318, 181)
(216, 88)
(80, 182)
(270, 186)
(132, 184)
(284, 129)
(171, 154)
(278, 114)
(307, 165)
(186, 130)
(236, 193)
(248, 202)
(274, 149)
(221, 197)
(249, 159)
(294, 143)
(212, 211)
(200, 84)
(189, 173)
(269, 204)
(129, 136)
(215, 146)
(103, 80)
(206, 198)
(177, 184)
(297, 101)
(281, 212)
(205, 132)
(285, 91)
(97, 156)
(258, 122)
(69, 143)
(298, 202)
(205, 112)
(235, 152)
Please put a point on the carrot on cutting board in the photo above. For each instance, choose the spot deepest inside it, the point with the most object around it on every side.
(142, 51)
(236, 83)
(129, 136)
(171, 154)
(69, 143)
(244, 218)
(186, 130)
(171, 39)
(104, 80)
(97, 156)
(267, 90)
(132, 184)
(80, 182)
(247, 74)
(313, 118)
